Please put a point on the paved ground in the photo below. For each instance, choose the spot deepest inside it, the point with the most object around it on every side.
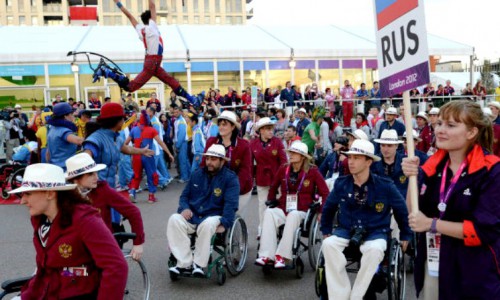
(17, 257)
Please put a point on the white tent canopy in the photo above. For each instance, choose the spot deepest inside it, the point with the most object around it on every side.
(50, 44)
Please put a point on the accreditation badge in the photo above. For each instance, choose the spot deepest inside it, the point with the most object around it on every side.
(433, 246)
(291, 202)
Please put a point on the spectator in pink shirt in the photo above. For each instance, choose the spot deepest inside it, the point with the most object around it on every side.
(347, 93)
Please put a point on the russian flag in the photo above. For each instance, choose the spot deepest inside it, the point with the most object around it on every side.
(390, 10)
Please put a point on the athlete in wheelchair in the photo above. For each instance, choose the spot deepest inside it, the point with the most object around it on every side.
(11, 176)
(294, 215)
(364, 202)
(207, 209)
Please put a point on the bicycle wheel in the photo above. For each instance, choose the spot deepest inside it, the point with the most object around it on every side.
(236, 247)
(138, 284)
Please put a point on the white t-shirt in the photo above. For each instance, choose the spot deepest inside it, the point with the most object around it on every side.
(154, 42)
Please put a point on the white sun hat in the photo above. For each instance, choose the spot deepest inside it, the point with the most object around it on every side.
(303, 110)
(216, 150)
(81, 163)
(229, 116)
(300, 148)
(434, 111)
(494, 104)
(359, 135)
(391, 111)
(362, 147)
(423, 115)
(43, 177)
(389, 136)
(414, 134)
(263, 122)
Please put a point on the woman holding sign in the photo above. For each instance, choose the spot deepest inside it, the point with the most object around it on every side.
(300, 184)
(458, 242)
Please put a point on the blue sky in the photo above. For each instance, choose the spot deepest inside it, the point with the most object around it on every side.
(474, 23)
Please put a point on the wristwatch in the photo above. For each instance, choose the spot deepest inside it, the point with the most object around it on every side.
(433, 225)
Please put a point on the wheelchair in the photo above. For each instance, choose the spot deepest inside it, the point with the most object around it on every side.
(309, 229)
(391, 273)
(11, 176)
(138, 283)
(229, 249)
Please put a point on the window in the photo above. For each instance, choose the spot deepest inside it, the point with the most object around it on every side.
(174, 20)
(118, 20)
(207, 19)
(207, 6)
(22, 20)
(108, 5)
(163, 20)
(185, 20)
(237, 6)
(20, 5)
(139, 6)
(230, 5)
(185, 7)
(9, 5)
(217, 20)
(129, 4)
(107, 20)
(163, 5)
(229, 20)
(10, 20)
(196, 20)
(217, 6)
(34, 21)
(173, 6)
(195, 6)
(33, 3)
(238, 20)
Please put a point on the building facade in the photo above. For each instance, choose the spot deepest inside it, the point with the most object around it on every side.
(105, 12)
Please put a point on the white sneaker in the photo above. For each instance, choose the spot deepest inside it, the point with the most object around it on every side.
(197, 270)
(174, 270)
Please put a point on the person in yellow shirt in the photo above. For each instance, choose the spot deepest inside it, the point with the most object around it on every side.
(497, 93)
(41, 135)
(83, 117)
(189, 131)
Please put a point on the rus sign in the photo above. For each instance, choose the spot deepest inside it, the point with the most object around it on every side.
(402, 52)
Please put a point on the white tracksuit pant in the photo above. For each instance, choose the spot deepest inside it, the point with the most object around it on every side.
(262, 192)
(337, 280)
(178, 229)
(273, 219)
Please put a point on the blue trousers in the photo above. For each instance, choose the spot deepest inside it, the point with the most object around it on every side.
(44, 151)
(161, 168)
(125, 173)
(196, 162)
(148, 163)
(183, 161)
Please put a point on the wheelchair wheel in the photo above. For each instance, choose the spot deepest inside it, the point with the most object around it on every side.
(221, 274)
(314, 243)
(236, 247)
(16, 179)
(396, 275)
(319, 278)
(299, 267)
(138, 285)
(5, 195)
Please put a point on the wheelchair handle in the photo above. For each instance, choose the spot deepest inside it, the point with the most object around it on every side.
(15, 285)
(315, 205)
(123, 237)
(272, 203)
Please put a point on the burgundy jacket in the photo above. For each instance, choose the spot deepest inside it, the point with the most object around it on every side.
(313, 184)
(468, 268)
(241, 162)
(267, 160)
(104, 198)
(427, 135)
(87, 242)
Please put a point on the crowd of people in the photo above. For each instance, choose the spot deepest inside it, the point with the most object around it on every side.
(290, 160)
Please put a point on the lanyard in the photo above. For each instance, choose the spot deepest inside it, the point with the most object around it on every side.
(444, 197)
(286, 181)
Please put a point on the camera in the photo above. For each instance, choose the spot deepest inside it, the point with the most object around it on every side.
(358, 236)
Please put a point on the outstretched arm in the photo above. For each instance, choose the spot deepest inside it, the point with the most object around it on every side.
(152, 9)
(127, 13)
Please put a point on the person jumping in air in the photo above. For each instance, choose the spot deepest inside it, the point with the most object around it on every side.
(150, 35)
